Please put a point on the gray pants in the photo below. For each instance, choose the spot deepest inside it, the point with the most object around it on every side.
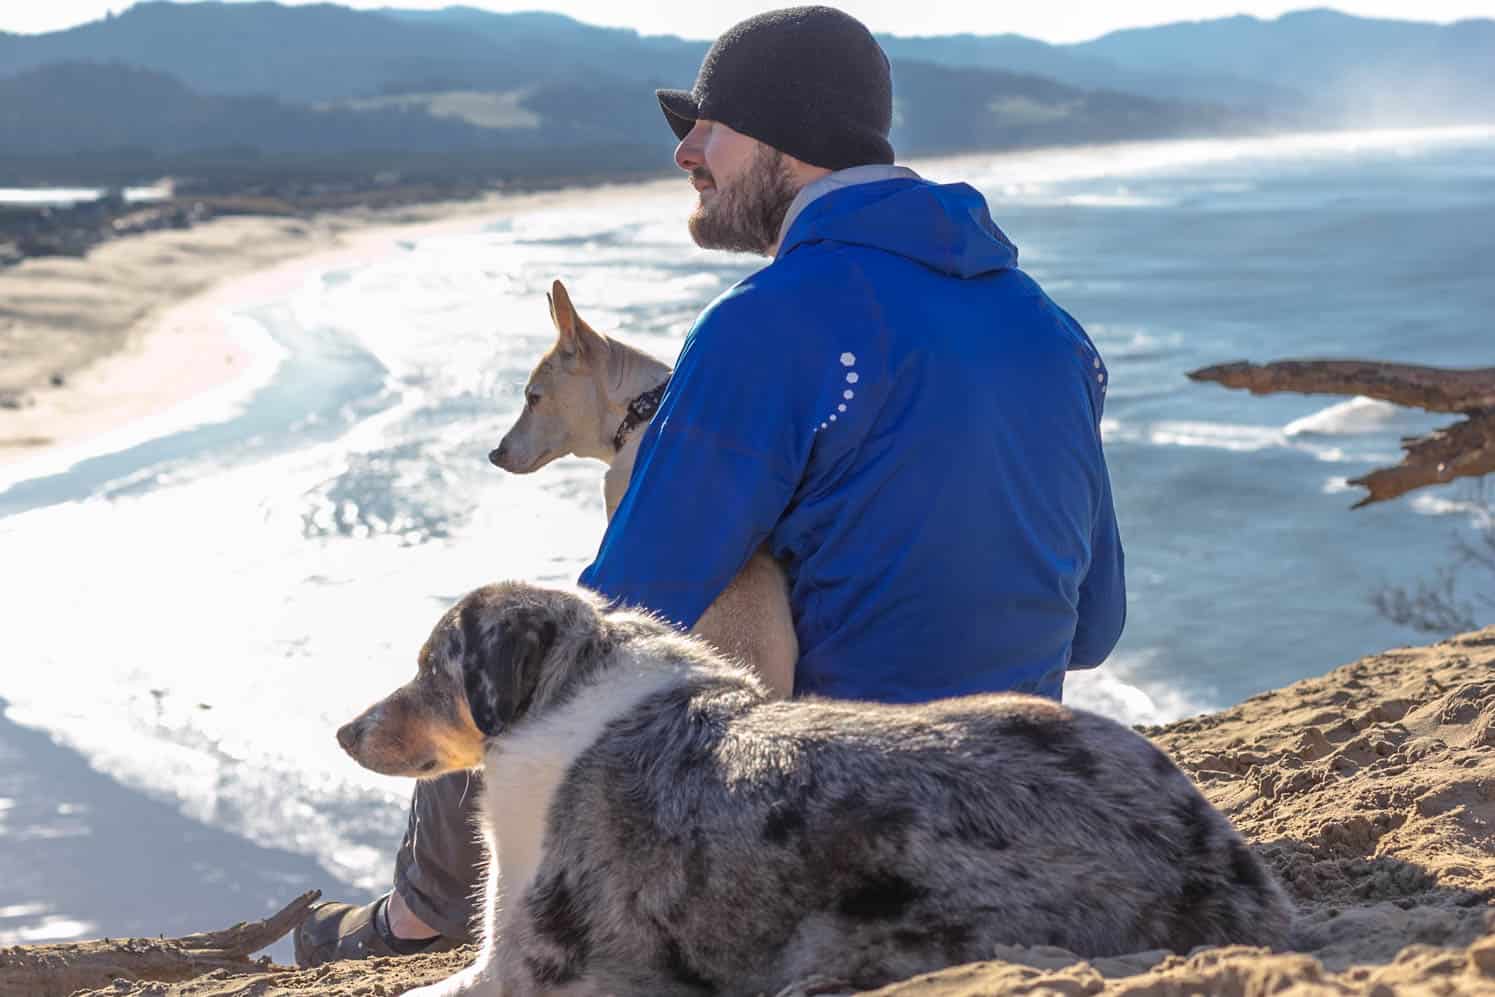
(439, 866)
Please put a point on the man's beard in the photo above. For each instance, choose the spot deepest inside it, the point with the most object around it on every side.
(746, 217)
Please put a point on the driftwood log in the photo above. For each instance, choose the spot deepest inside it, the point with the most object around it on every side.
(1465, 449)
(59, 970)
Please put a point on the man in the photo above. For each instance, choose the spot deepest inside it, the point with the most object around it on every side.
(891, 405)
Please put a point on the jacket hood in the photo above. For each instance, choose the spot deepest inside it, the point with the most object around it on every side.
(946, 227)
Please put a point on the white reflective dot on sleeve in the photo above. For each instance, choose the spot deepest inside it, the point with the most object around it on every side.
(853, 377)
(848, 394)
(847, 359)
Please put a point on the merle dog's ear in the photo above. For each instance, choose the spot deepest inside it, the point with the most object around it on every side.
(501, 663)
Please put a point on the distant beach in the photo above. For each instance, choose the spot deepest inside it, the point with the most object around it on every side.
(108, 350)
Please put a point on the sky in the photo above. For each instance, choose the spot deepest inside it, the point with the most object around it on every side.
(1050, 20)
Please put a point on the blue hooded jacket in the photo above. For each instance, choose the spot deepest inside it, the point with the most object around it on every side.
(913, 427)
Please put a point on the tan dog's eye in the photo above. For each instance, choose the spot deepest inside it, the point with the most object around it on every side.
(532, 398)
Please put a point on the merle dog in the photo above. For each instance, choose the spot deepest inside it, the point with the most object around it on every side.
(657, 825)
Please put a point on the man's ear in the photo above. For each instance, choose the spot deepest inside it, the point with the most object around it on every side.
(501, 663)
(577, 341)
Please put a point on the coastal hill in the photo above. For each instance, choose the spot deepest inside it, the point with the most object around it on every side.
(95, 121)
(195, 88)
(1369, 790)
(1359, 69)
(204, 89)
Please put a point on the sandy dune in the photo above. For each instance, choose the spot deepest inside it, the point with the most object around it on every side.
(1370, 790)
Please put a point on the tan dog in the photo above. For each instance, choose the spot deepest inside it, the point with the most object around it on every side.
(591, 396)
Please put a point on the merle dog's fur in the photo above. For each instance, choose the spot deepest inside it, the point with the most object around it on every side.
(700, 839)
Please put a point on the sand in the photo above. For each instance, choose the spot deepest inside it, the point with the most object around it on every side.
(1370, 791)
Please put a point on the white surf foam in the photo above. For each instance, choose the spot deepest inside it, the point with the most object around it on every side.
(1121, 342)
(1215, 435)
(48, 928)
(1433, 504)
(1119, 198)
(1114, 690)
(1233, 438)
(1357, 416)
(1040, 168)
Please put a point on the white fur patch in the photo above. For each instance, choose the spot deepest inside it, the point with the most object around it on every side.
(522, 770)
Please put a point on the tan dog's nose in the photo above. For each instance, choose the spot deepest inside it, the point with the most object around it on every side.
(496, 456)
(347, 736)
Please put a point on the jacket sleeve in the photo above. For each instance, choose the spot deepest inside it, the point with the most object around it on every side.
(715, 470)
(1102, 609)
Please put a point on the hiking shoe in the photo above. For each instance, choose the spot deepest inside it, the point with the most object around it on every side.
(334, 931)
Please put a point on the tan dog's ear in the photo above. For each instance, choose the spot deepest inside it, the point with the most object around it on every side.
(576, 339)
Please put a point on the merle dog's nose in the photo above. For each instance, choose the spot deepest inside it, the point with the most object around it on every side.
(347, 736)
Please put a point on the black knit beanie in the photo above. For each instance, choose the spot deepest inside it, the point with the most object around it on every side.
(809, 81)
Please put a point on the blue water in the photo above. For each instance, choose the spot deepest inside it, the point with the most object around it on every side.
(1246, 569)
(196, 614)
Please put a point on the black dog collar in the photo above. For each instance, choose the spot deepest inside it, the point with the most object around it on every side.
(640, 411)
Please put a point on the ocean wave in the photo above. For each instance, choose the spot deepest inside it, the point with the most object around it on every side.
(1038, 195)
(1232, 437)
(48, 928)
(1214, 435)
(1113, 690)
(1479, 512)
(1114, 201)
(1358, 415)
(1124, 342)
(1033, 170)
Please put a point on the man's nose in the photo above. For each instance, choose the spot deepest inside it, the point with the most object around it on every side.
(688, 153)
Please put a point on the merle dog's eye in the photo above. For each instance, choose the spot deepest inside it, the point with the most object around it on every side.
(532, 398)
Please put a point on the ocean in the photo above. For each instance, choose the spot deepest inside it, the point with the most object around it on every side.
(194, 606)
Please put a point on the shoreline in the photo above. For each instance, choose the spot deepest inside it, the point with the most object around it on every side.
(91, 847)
(135, 340)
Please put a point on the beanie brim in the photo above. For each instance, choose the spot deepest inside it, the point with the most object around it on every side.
(680, 110)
